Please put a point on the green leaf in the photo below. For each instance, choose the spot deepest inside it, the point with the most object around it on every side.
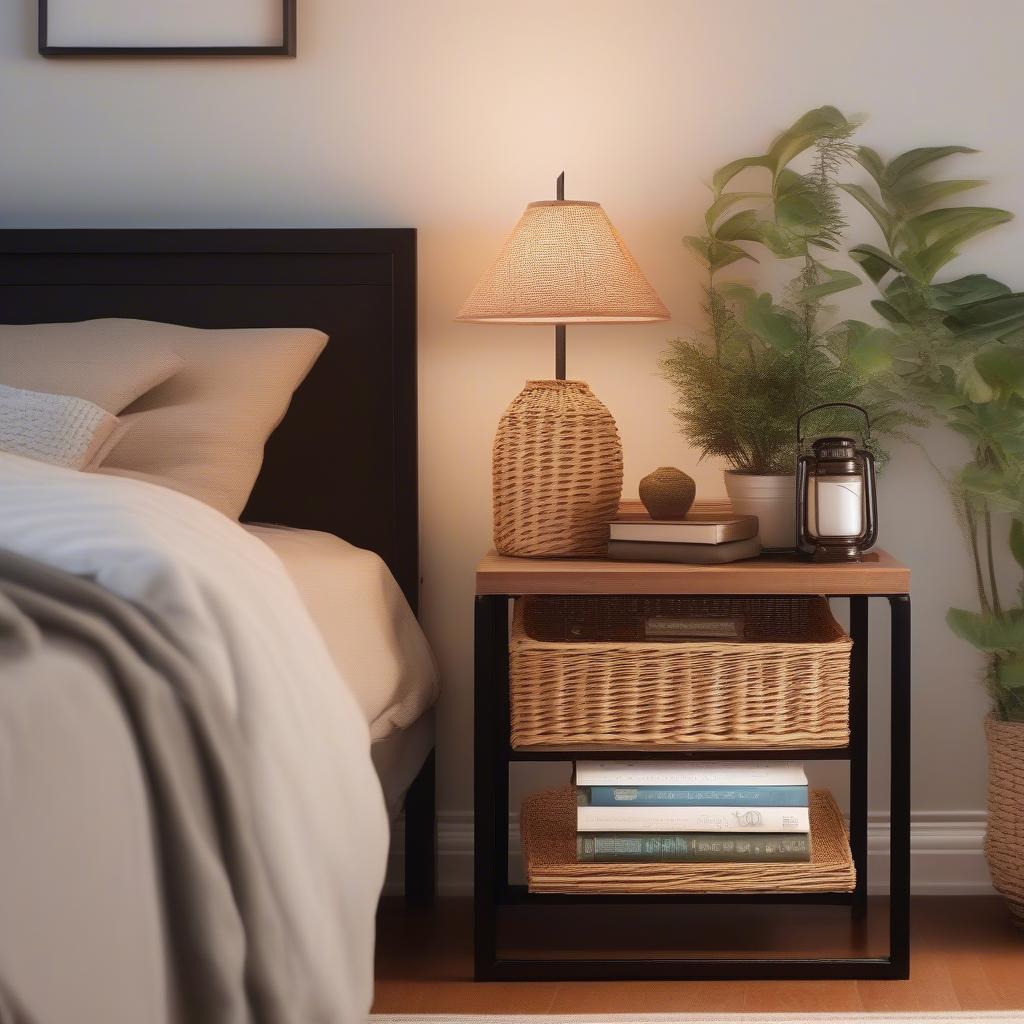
(987, 632)
(748, 226)
(913, 198)
(773, 327)
(870, 349)
(888, 311)
(983, 334)
(1017, 541)
(964, 291)
(1002, 368)
(816, 124)
(722, 254)
(870, 161)
(836, 281)
(962, 221)
(728, 200)
(933, 237)
(781, 242)
(913, 160)
(742, 226)
(799, 213)
(876, 262)
(716, 254)
(1010, 673)
(1006, 306)
(973, 385)
(996, 319)
(725, 174)
(982, 481)
(883, 218)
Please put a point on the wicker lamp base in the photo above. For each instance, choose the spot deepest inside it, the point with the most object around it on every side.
(557, 472)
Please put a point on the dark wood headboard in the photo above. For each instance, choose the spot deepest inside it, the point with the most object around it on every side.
(344, 458)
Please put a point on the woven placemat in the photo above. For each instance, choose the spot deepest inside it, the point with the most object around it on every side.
(548, 826)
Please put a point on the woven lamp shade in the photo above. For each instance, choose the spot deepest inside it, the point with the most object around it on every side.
(564, 263)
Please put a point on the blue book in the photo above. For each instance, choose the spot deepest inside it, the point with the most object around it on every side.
(692, 796)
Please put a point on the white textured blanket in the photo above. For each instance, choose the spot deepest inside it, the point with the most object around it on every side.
(224, 599)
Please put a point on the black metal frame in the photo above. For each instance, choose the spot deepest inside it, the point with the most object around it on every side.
(421, 837)
(286, 48)
(493, 755)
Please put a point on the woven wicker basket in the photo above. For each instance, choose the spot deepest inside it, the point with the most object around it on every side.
(1004, 840)
(786, 683)
(557, 472)
(548, 826)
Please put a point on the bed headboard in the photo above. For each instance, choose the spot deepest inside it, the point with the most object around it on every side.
(344, 458)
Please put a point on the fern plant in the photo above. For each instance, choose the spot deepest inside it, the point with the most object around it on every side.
(760, 362)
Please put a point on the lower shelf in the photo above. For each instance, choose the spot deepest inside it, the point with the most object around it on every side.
(548, 826)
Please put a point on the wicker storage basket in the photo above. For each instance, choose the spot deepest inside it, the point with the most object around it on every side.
(1004, 839)
(785, 683)
(557, 472)
(548, 826)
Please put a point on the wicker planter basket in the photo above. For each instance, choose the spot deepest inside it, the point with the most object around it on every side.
(784, 684)
(1004, 839)
(548, 825)
(557, 472)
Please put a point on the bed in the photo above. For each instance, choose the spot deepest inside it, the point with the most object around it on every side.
(333, 513)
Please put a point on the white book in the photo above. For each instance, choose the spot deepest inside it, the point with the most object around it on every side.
(692, 819)
(690, 773)
(695, 529)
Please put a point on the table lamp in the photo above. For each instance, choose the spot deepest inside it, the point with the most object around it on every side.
(557, 461)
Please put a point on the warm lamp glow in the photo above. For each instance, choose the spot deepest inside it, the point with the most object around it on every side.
(564, 263)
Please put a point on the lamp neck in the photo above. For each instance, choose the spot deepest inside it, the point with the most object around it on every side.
(559, 351)
(560, 328)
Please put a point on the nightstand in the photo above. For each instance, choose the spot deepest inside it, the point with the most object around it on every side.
(850, 955)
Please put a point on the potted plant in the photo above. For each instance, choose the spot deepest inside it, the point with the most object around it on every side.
(762, 362)
(956, 348)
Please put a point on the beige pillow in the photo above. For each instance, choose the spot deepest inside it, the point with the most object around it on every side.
(203, 430)
(60, 429)
(107, 362)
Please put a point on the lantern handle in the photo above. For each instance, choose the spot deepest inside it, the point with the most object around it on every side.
(833, 405)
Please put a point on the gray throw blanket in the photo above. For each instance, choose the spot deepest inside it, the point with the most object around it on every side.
(226, 961)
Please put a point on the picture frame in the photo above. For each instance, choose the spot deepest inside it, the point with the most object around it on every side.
(117, 28)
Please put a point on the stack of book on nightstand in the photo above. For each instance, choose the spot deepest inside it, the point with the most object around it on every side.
(691, 811)
(701, 538)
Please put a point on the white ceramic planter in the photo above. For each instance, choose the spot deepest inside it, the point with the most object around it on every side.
(772, 499)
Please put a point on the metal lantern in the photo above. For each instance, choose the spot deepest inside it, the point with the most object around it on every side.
(836, 509)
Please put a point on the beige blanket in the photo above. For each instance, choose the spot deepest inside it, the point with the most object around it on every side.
(226, 941)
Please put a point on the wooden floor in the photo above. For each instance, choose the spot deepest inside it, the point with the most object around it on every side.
(966, 956)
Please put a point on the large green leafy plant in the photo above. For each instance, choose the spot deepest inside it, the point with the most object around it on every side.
(762, 361)
(956, 348)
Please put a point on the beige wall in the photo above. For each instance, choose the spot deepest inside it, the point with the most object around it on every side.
(450, 115)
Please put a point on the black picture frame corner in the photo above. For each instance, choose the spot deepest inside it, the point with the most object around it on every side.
(286, 48)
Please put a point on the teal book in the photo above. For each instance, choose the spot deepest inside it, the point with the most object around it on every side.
(692, 796)
(691, 848)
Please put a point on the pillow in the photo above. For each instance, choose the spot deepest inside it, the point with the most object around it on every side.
(59, 429)
(203, 430)
(107, 362)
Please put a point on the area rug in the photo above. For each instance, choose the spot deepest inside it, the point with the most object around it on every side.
(996, 1017)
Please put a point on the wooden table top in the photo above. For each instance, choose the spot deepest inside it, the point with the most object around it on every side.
(879, 573)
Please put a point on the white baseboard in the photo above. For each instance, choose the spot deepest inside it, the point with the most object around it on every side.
(946, 853)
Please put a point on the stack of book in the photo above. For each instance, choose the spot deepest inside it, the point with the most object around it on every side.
(701, 538)
(689, 811)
